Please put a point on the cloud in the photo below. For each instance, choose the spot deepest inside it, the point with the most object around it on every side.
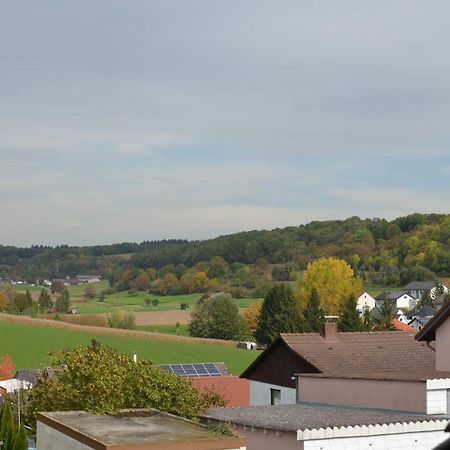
(248, 114)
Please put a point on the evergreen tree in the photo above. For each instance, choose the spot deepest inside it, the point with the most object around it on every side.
(279, 314)
(20, 439)
(313, 314)
(63, 302)
(45, 301)
(366, 319)
(349, 319)
(7, 426)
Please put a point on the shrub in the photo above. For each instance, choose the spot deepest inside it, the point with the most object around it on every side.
(122, 319)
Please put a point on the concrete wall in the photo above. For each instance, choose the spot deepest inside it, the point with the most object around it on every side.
(395, 395)
(260, 394)
(48, 438)
(442, 347)
(406, 441)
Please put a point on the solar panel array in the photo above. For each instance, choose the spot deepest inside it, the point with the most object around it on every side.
(192, 370)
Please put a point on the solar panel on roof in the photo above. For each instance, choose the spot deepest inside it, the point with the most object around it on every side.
(192, 370)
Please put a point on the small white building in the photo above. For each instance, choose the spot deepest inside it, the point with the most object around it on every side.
(13, 385)
(399, 300)
(365, 301)
(417, 288)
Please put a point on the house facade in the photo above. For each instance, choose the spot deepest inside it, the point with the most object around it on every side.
(274, 374)
(399, 300)
(365, 301)
(416, 289)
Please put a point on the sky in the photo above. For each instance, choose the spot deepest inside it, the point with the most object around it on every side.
(151, 119)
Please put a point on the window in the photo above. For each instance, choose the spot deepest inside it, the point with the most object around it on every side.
(275, 396)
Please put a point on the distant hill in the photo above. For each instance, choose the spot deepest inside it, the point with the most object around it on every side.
(417, 245)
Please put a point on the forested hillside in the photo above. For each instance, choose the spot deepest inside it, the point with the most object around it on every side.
(381, 252)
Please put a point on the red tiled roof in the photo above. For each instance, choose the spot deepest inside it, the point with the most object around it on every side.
(234, 390)
(361, 352)
(400, 326)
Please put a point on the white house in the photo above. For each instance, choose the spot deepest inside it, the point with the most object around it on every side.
(399, 300)
(417, 288)
(365, 300)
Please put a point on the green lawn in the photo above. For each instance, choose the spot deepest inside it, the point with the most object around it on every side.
(375, 290)
(165, 302)
(29, 346)
(99, 307)
(122, 300)
(168, 329)
(24, 287)
(77, 290)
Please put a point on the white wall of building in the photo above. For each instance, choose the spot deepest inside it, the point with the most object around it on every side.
(260, 394)
(438, 396)
(404, 441)
(365, 300)
(405, 301)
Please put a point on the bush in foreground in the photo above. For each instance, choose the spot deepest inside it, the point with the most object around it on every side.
(102, 381)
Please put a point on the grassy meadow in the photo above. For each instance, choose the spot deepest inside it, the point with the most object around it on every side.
(29, 346)
(182, 330)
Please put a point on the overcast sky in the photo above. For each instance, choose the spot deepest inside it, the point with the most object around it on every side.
(143, 119)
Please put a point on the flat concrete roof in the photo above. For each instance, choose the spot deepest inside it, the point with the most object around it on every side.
(133, 427)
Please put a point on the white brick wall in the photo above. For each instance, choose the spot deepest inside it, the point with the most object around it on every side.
(406, 441)
(437, 396)
(437, 402)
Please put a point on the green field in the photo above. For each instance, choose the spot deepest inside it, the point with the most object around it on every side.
(77, 290)
(167, 329)
(29, 346)
(24, 287)
(96, 307)
(375, 290)
(122, 300)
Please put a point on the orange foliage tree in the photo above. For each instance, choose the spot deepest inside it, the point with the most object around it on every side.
(6, 367)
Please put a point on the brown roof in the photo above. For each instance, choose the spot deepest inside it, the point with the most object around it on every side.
(428, 332)
(358, 352)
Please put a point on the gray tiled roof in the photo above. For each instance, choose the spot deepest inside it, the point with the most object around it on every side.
(420, 285)
(421, 311)
(302, 416)
(389, 295)
(30, 375)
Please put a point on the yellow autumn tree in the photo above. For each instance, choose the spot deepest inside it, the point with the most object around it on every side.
(251, 315)
(333, 280)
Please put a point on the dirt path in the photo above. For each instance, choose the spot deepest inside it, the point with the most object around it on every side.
(162, 317)
(111, 331)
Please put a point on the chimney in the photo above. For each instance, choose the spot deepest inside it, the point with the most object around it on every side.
(329, 328)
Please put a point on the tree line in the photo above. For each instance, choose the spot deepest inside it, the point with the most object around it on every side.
(416, 246)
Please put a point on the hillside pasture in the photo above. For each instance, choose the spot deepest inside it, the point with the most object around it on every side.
(29, 346)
